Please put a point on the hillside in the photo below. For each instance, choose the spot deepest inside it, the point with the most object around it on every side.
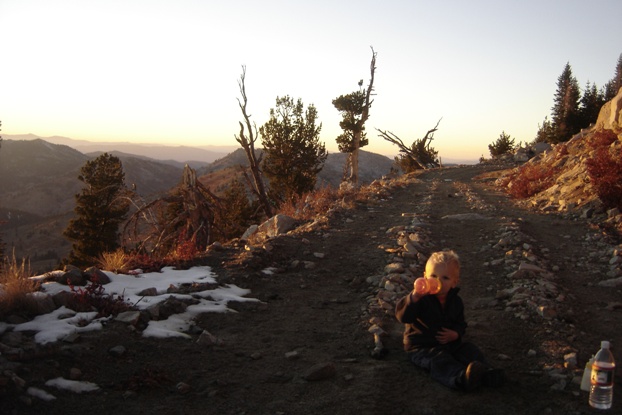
(538, 302)
(38, 181)
(372, 166)
(170, 154)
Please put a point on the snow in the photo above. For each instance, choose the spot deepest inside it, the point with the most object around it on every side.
(40, 393)
(63, 322)
(75, 386)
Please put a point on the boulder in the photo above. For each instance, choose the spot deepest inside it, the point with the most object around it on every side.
(610, 115)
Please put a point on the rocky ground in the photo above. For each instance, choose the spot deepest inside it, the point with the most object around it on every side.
(541, 291)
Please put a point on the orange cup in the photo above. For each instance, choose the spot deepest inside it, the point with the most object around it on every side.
(427, 285)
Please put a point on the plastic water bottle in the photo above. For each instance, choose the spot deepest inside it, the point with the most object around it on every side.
(601, 391)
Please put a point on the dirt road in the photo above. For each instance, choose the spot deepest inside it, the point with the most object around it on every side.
(317, 302)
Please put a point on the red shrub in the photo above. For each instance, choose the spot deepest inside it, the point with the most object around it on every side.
(147, 263)
(93, 296)
(531, 179)
(605, 172)
(602, 138)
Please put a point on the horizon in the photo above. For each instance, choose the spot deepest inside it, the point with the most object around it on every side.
(167, 73)
(222, 149)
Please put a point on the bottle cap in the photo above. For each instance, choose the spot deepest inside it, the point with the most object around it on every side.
(604, 344)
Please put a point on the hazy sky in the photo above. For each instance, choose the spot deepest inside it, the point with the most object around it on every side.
(167, 71)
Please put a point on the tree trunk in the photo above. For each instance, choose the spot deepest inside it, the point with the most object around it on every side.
(354, 176)
(248, 144)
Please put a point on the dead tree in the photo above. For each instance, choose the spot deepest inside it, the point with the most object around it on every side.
(186, 213)
(418, 148)
(248, 144)
(358, 131)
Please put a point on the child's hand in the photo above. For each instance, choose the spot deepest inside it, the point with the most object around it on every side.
(446, 335)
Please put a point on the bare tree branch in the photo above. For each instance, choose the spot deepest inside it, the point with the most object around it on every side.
(248, 144)
(409, 151)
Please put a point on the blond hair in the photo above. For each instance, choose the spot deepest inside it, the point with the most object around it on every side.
(445, 257)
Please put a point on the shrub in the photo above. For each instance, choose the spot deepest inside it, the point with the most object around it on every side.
(185, 249)
(15, 286)
(604, 169)
(530, 179)
(602, 138)
(93, 296)
(146, 263)
(310, 204)
(117, 261)
(503, 145)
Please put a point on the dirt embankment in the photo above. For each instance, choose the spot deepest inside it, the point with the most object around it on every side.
(329, 284)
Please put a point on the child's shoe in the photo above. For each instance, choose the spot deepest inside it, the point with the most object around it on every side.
(473, 376)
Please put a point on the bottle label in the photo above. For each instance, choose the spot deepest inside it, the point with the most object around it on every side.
(602, 376)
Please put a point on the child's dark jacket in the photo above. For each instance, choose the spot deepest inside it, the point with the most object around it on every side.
(426, 317)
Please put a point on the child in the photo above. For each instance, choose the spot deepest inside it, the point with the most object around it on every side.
(435, 325)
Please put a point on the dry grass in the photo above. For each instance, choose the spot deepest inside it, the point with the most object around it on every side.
(310, 204)
(15, 286)
(118, 261)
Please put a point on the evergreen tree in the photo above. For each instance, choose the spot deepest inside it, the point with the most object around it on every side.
(237, 213)
(354, 109)
(613, 86)
(351, 108)
(566, 118)
(293, 153)
(100, 209)
(503, 145)
(590, 104)
(546, 132)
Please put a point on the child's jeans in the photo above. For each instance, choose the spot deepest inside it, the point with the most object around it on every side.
(447, 363)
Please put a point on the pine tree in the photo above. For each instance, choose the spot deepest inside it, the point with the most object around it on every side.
(100, 209)
(293, 153)
(503, 145)
(354, 109)
(613, 86)
(590, 104)
(546, 132)
(566, 118)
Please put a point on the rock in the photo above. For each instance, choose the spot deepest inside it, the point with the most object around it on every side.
(570, 361)
(117, 351)
(610, 115)
(129, 317)
(394, 268)
(250, 231)
(466, 216)
(183, 388)
(276, 225)
(43, 303)
(320, 371)
(530, 267)
(75, 373)
(148, 292)
(208, 339)
(615, 282)
(95, 275)
(73, 277)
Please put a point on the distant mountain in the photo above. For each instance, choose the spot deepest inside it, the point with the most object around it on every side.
(371, 166)
(175, 155)
(41, 178)
(38, 181)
